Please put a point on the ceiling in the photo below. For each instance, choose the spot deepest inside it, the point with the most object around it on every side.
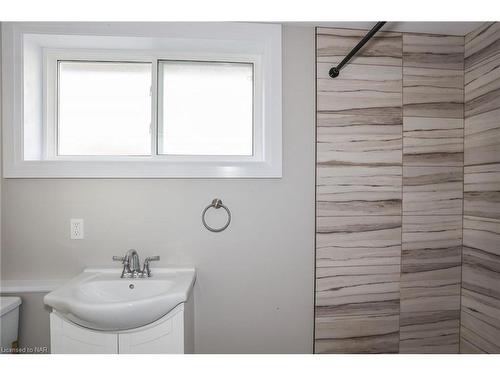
(446, 28)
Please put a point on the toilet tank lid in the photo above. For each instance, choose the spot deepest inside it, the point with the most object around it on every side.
(8, 304)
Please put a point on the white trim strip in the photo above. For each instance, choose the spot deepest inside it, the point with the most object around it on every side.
(30, 286)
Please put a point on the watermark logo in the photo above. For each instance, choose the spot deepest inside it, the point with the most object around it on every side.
(24, 350)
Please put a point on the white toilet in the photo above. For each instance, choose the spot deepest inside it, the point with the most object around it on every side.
(9, 323)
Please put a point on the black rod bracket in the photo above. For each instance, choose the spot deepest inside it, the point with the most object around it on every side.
(335, 71)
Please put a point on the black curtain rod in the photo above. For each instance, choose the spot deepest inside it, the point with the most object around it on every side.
(334, 71)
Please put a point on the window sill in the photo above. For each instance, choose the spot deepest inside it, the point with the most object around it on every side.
(141, 169)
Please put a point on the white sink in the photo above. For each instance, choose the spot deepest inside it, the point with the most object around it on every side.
(100, 299)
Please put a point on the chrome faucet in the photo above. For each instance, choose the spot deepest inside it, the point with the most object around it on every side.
(132, 265)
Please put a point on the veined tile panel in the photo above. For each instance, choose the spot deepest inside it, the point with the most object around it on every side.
(432, 190)
(359, 126)
(482, 43)
(433, 51)
(436, 290)
(431, 243)
(482, 138)
(481, 285)
(357, 334)
(480, 315)
(430, 284)
(482, 253)
(358, 265)
(358, 204)
(433, 141)
(357, 190)
(482, 191)
(429, 332)
(432, 193)
(357, 139)
(359, 116)
(433, 92)
(332, 45)
(357, 284)
(466, 347)
(482, 72)
(480, 323)
(481, 272)
(482, 86)
(359, 87)
(355, 77)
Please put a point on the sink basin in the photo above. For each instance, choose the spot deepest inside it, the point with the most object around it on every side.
(100, 299)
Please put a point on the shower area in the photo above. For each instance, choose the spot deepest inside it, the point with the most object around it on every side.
(408, 193)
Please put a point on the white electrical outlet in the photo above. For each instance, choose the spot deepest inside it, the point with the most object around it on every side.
(76, 229)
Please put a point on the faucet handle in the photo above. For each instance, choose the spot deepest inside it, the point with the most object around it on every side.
(146, 271)
(118, 258)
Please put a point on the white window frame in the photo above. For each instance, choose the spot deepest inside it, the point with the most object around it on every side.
(264, 52)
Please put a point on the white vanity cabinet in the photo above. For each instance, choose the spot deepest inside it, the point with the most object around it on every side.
(99, 311)
(171, 334)
(69, 338)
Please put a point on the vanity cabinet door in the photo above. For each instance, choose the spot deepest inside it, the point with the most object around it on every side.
(167, 337)
(69, 338)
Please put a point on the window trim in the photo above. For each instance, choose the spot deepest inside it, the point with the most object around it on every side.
(265, 163)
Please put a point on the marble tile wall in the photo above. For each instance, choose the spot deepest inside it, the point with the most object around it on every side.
(408, 194)
(358, 196)
(433, 90)
(480, 312)
(389, 193)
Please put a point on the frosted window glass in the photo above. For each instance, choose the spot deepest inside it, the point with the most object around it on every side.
(104, 108)
(207, 108)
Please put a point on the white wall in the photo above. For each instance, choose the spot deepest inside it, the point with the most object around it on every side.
(254, 291)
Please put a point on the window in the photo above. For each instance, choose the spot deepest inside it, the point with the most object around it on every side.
(104, 108)
(184, 102)
(206, 108)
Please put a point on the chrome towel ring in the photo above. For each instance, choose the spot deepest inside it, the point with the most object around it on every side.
(216, 203)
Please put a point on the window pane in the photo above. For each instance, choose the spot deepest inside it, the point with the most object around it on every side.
(104, 108)
(207, 108)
